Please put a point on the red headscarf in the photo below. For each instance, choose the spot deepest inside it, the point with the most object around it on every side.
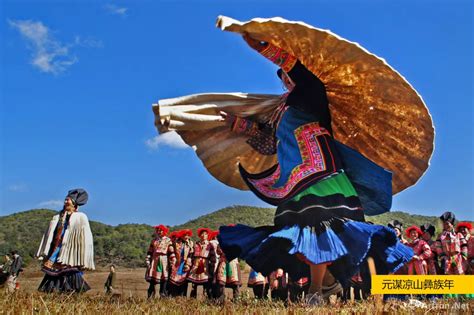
(183, 233)
(466, 225)
(174, 235)
(411, 228)
(161, 227)
(200, 230)
(213, 235)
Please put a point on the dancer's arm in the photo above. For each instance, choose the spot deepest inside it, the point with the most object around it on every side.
(426, 252)
(260, 135)
(309, 92)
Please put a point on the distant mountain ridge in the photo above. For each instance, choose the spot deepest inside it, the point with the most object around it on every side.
(126, 244)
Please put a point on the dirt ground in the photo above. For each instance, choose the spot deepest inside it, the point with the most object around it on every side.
(132, 289)
(130, 282)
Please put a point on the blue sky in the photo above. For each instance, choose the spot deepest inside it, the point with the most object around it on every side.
(78, 79)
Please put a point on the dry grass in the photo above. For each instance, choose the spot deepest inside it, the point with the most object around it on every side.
(132, 300)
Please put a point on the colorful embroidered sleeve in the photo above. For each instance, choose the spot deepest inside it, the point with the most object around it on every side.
(439, 248)
(171, 252)
(278, 56)
(463, 243)
(197, 250)
(212, 255)
(189, 261)
(309, 92)
(245, 126)
(426, 251)
(434, 254)
(261, 136)
(151, 248)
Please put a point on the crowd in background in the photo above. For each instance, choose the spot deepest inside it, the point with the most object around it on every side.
(10, 271)
(449, 252)
(174, 261)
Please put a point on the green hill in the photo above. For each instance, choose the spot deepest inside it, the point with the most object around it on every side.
(252, 216)
(126, 244)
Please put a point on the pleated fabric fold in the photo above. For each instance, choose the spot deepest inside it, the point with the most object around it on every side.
(69, 282)
(268, 248)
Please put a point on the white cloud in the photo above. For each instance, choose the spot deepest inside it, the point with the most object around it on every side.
(169, 139)
(48, 54)
(51, 204)
(18, 187)
(114, 9)
(88, 42)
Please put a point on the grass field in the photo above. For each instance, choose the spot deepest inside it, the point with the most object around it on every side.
(132, 300)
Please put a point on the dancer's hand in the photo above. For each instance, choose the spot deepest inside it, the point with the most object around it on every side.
(227, 118)
(224, 115)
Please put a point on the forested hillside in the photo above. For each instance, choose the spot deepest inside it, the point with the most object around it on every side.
(126, 244)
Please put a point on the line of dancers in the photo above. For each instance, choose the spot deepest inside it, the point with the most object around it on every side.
(174, 261)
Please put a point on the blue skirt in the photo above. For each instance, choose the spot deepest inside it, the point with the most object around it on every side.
(268, 248)
(323, 224)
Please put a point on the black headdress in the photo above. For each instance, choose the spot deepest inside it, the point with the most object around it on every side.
(78, 196)
(395, 224)
(428, 228)
(448, 216)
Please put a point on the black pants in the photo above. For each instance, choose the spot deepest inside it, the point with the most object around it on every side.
(358, 293)
(207, 290)
(261, 291)
(163, 288)
(296, 292)
(183, 289)
(220, 292)
(280, 294)
(178, 290)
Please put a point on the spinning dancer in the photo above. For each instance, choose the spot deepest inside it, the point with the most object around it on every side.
(319, 221)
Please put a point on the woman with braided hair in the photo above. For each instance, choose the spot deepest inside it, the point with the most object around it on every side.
(67, 247)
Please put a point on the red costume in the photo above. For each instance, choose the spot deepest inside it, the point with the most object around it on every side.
(465, 229)
(203, 260)
(451, 247)
(418, 265)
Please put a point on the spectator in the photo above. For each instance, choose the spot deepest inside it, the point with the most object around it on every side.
(110, 282)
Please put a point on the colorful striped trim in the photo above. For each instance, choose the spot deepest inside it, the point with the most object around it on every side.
(318, 206)
(242, 125)
(280, 57)
(334, 183)
(313, 158)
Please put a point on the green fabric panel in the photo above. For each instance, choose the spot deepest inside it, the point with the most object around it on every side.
(338, 184)
(228, 270)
